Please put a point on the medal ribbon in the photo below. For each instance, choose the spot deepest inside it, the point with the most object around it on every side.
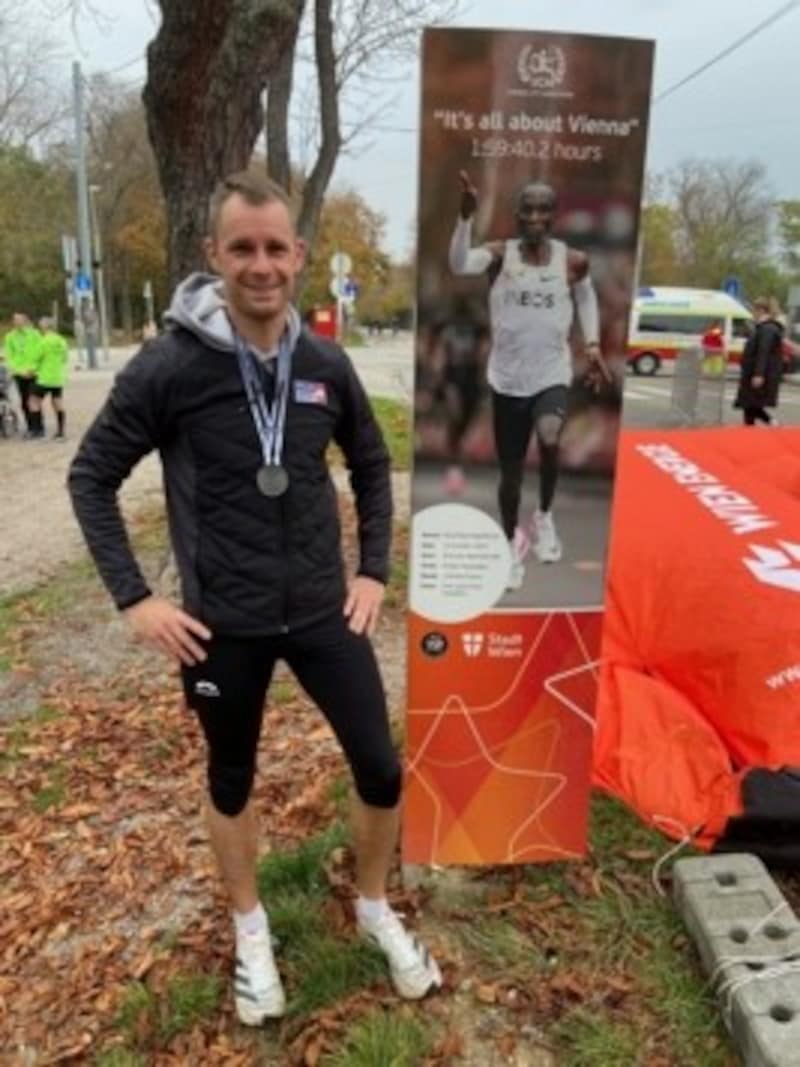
(268, 419)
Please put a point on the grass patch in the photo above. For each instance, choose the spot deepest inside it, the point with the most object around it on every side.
(320, 966)
(20, 733)
(282, 692)
(149, 1020)
(300, 871)
(43, 602)
(340, 793)
(613, 829)
(54, 793)
(326, 969)
(682, 1000)
(395, 419)
(500, 946)
(190, 999)
(595, 1039)
(382, 1039)
(149, 531)
(628, 927)
(547, 879)
(397, 589)
(119, 1057)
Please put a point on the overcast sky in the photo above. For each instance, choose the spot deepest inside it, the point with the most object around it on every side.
(744, 107)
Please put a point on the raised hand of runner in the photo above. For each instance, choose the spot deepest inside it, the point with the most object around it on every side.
(469, 195)
(165, 627)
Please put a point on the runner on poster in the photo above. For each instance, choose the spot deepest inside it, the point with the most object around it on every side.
(535, 281)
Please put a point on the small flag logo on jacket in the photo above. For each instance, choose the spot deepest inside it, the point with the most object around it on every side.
(310, 392)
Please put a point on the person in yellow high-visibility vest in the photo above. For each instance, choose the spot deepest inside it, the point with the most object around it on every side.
(22, 352)
(51, 376)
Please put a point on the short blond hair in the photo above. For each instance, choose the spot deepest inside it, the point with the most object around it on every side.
(252, 185)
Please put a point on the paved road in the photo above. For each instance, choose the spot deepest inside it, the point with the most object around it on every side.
(648, 402)
(385, 364)
(581, 511)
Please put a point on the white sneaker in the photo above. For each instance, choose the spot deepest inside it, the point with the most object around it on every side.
(520, 546)
(547, 547)
(414, 971)
(257, 987)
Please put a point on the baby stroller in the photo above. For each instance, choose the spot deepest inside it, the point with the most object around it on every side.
(9, 420)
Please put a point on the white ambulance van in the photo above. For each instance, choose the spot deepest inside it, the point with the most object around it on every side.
(666, 320)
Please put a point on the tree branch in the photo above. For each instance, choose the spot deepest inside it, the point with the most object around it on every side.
(278, 100)
(318, 180)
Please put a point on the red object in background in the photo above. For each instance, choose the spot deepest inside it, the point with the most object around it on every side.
(713, 341)
(323, 322)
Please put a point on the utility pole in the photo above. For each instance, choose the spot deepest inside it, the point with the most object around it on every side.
(98, 269)
(83, 278)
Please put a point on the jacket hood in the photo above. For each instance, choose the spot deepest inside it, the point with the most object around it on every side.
(198, 305)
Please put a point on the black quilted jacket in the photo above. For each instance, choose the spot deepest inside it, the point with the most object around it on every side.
(249, 565)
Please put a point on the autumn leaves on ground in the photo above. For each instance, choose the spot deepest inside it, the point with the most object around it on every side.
(115, 944)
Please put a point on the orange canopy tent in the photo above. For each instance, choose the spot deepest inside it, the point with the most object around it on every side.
(699, 705)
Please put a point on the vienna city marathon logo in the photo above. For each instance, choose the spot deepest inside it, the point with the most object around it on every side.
(542, 68)
(434, 644)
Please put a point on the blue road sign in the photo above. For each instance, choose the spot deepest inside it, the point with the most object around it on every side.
(733, 287)
(83, 283)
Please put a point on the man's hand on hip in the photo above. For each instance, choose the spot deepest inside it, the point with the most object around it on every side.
(363, 605)
(163, 626)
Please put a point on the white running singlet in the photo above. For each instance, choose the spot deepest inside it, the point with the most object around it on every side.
(531, 312)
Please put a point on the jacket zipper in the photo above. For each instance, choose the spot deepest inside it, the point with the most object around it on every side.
(285, 554)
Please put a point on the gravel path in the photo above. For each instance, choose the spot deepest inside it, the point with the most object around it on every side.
(39, 533)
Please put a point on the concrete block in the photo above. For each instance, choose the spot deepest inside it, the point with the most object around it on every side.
(744, 929)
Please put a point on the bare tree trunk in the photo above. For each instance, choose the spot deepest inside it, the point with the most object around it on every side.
(127, 306)
(207, 69)
(320, 176)
(278, 100)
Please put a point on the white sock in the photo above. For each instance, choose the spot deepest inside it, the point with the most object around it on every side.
(371, 910)
(250, 923)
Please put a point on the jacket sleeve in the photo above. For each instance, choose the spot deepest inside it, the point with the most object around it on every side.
(359, 436)
(133, 421)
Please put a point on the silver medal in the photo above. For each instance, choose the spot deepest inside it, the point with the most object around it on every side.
(272, 480)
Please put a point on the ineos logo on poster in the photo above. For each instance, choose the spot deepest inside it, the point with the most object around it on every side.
(434, 644)
(543, 68)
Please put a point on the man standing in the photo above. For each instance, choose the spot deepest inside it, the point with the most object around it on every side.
(51, 375)
(534, 280)
(242, 405)
(22, 354)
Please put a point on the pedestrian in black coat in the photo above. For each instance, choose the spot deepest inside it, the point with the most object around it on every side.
(762, 364)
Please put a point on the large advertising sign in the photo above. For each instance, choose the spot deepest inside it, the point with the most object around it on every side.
(532, 155)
